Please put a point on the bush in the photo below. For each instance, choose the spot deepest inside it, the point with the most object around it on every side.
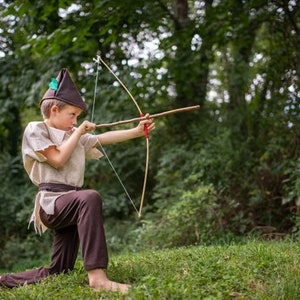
(195, 218)
(17, 243)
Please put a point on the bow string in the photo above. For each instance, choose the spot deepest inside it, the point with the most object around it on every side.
(99, 60)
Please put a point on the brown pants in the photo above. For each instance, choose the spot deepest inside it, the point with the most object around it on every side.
(77, 218)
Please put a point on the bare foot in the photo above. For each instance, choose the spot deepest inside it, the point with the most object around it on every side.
(99, 281)
(112, 286)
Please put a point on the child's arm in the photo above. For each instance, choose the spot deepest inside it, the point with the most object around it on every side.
(57, 156)
(117, 136)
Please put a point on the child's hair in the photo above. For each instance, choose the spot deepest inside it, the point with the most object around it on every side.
(48, 103)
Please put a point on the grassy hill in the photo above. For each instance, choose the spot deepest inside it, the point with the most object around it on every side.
(251, 270)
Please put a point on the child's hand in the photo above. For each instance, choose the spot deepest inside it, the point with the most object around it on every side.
(86, 127)
(149, 123)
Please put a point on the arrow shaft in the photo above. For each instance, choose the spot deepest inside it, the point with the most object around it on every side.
(158, 115)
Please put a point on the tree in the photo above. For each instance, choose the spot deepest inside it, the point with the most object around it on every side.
(237, 59)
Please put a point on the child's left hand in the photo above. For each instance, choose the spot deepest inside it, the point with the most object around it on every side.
(149, 123)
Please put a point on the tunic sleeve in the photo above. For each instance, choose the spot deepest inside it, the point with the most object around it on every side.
(90, 143)
(35, 138)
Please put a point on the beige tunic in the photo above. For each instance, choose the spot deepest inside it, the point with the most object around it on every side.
(38, 136)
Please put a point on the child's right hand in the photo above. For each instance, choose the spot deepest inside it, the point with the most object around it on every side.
(86, 127)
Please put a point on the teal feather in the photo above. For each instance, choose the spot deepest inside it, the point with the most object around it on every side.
(53, 85)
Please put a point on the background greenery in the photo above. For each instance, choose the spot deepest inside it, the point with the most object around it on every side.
(230, 169)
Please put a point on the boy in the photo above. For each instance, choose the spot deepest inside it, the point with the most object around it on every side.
(54, 154)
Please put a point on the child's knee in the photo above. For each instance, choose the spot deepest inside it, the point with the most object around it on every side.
(93, 198)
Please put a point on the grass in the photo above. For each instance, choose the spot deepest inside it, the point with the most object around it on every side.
(252, 270)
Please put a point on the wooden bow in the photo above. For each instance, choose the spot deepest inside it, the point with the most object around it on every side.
(98, 60)
(141, 118)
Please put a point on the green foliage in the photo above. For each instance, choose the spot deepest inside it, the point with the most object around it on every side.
(292, 180)
(30, 250)
(238, 59)
(249, 270)
(15, 209)
(192, 219)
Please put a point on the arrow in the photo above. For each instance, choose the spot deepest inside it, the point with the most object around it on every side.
(158, 115)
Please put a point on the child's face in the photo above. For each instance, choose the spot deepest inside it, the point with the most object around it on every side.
(64, 118)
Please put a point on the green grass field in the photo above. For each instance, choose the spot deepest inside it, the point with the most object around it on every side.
(250, 270)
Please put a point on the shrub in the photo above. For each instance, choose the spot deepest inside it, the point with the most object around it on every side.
(195, 218)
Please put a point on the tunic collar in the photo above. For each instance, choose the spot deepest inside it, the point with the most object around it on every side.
(58, 134)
